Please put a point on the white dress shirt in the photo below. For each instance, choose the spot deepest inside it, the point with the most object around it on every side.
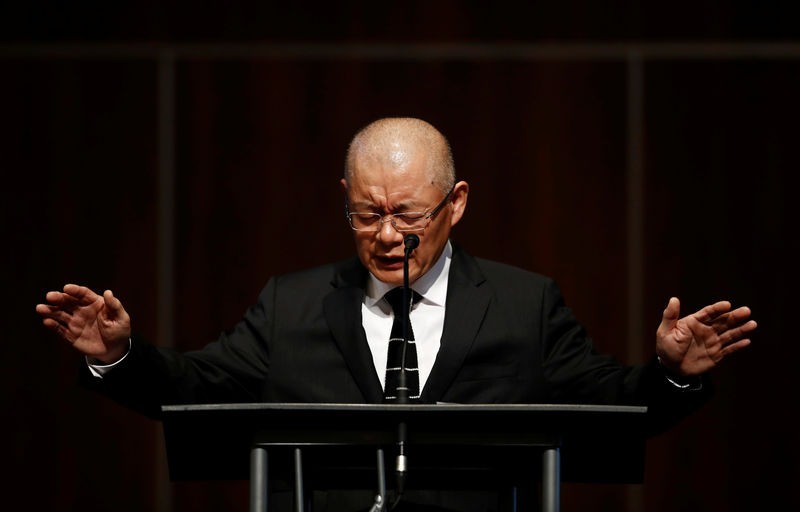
(427, 317)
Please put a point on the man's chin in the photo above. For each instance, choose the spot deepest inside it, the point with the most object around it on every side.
(394, 277)
(392, 272)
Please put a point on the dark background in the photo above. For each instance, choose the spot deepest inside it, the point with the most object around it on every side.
(181, 155)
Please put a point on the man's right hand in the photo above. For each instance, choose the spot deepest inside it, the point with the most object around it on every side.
(96, 325)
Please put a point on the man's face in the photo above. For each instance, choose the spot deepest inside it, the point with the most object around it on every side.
(386, 188)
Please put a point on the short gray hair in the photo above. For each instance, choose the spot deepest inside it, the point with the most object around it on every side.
(415, 134)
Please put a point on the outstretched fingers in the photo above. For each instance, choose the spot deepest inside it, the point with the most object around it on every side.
(71, 298)
(710, 313)
(53, 313)
(732, 335)
(720, 343)
(733, 347)
(83, 295)
(732, 320)
(60, 329)
(737, 316)
(62, 300)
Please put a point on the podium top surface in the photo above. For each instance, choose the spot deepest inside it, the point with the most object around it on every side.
(280, 422)
(355, 421)
(441, 407)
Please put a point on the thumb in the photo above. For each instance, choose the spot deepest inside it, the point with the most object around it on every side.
(671, 314)
(113, 305)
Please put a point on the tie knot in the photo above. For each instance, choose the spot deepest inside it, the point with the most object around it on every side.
(395, 299)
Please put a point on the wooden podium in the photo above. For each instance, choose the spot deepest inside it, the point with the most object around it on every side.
(449, 446)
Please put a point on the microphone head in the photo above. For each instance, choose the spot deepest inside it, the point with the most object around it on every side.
(411, 241)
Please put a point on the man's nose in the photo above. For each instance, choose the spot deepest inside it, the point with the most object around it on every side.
(388, 234)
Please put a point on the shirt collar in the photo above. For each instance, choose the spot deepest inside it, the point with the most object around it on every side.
(432, 285)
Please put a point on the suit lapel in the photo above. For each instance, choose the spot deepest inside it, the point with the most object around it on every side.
(467, 302)
(342, 308)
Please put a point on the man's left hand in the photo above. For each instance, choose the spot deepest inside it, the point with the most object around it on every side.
(694, 344)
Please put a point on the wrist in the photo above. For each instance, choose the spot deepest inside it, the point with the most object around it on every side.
(678, 380)
(115, 355)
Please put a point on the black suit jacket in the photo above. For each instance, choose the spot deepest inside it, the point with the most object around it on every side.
(507, 338)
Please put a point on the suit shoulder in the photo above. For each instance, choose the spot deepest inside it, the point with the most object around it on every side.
(328, 270)
(316, 279)
(495, 270)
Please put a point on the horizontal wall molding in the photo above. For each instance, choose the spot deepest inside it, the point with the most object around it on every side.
(411, 52)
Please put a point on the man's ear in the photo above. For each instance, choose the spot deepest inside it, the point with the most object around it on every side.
(458, 200)
(344, 185)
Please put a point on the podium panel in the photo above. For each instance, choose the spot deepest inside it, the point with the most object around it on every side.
(449, 446)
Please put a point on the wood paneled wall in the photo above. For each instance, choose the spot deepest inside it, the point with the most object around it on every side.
(258, 150)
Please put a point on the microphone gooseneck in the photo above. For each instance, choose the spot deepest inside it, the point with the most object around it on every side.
(411, 242)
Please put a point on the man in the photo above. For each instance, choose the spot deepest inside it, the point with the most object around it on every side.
(484, 332)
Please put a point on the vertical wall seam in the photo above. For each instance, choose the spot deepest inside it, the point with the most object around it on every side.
(635, 182)
(166, 199)
(635, 208)
(165, 250)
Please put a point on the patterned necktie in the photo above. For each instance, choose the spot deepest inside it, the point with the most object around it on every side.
(393, 361)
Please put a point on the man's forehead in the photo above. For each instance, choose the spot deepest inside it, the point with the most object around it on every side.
(395, 179)
(399, 155)
(378, 196)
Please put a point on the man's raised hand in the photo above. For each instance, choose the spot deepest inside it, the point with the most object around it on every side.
(694, 344)
(98, 326)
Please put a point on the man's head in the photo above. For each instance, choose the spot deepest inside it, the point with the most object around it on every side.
(399, 165)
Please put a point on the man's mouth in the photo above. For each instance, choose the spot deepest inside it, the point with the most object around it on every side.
(390, 262)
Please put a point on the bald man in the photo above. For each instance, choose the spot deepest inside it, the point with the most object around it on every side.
(484, 332)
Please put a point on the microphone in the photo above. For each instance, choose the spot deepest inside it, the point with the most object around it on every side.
(411, 242)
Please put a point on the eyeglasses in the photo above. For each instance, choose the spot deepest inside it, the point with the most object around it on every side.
(402, 222)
